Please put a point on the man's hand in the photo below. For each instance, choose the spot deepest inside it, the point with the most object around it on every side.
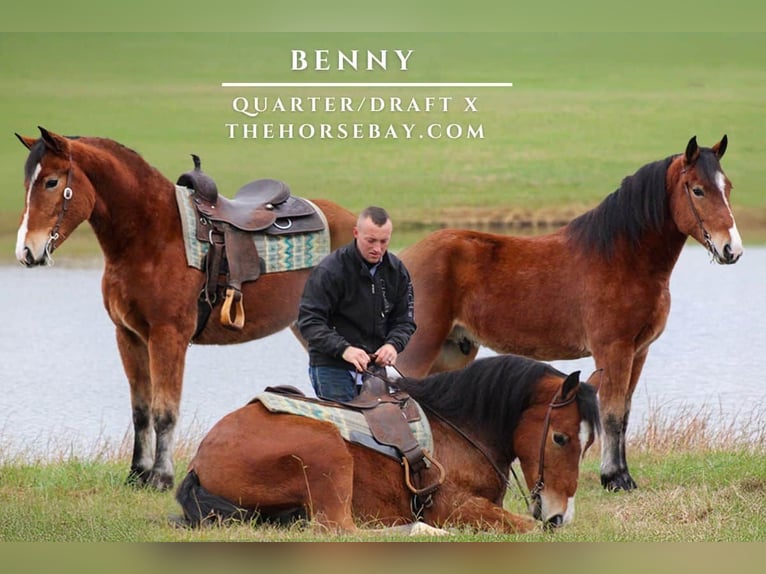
(386, 355)
(357, 357)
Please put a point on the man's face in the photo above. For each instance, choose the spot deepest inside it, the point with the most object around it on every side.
(371, 240)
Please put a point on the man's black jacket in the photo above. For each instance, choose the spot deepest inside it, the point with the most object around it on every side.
(343, 304)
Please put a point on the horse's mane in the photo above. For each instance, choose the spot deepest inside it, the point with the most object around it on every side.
(638, 205)
(491, 392)
(116, 149)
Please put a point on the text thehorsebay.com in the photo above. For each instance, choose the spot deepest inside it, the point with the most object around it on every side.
(332, 110)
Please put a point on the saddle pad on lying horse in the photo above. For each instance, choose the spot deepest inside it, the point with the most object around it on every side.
(277, 252)
(352, 425)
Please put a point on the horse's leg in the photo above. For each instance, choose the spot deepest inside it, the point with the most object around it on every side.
(278, 462)
(635, 374)
(135, 362)
(617, 361)
(330, 497)
(425, 346)
(167, 354)
(481, 514)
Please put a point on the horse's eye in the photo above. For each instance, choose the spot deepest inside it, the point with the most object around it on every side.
(560, 438)
(698, 191)
(51, 183)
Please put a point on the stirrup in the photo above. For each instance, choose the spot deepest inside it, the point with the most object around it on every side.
(428, 489)
(234, 296)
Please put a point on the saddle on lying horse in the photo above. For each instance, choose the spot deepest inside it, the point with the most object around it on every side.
(264, 206)
(388, 413)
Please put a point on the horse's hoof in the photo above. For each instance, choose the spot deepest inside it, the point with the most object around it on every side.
(137, 478)
(619, 481)
(149, 479)
(160, 482)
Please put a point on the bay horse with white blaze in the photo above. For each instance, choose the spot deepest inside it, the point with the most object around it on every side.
(598, 286)
(150, 292)
(255, 463)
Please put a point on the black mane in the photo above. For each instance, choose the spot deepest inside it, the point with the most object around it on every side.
(638, 205)
(491, 394)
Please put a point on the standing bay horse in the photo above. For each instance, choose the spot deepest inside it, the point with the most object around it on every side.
(255, 463)
(598, 286)
(149, 290)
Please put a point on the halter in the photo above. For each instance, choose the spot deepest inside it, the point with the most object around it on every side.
(705, 235)
(50, 245)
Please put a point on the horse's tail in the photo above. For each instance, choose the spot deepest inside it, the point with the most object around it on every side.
(201, 506)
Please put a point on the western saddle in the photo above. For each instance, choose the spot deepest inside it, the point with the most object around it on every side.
(263, 206)
(388, 411)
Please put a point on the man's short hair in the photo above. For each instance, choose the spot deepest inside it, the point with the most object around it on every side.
(378, 215)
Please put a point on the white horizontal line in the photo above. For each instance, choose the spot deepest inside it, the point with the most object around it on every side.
(366, 84)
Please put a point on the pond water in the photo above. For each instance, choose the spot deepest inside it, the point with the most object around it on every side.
(64, 392)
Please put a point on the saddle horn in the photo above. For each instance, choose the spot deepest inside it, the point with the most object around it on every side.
(199, 181)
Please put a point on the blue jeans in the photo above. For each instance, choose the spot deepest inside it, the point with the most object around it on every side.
(332, 383)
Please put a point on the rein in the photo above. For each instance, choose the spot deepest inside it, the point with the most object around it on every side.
(534, 494)
(503, 477)
(50, 245)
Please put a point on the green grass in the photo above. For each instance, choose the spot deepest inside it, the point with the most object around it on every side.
(586, 109)
(684, 497)
(696, 484)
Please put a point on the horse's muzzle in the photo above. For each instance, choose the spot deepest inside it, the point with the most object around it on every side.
(729, 255)
(28, 260)
(554, 522)
(536, 508)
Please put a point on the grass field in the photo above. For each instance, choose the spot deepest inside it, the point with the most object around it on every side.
(584, 111)
(695, 484)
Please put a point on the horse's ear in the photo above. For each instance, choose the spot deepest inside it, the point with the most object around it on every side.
(54, 142)
(595, 378)
(720, 148)
(571, 383)
(692, 151)
(28, 142)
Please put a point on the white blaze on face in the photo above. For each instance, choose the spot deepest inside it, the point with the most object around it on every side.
(570, 513)
(585, 434)
(735, 241)
(22, 233)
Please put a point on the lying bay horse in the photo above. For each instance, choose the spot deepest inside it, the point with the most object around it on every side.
(257, 463)
(599, 286)
(149, 290)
